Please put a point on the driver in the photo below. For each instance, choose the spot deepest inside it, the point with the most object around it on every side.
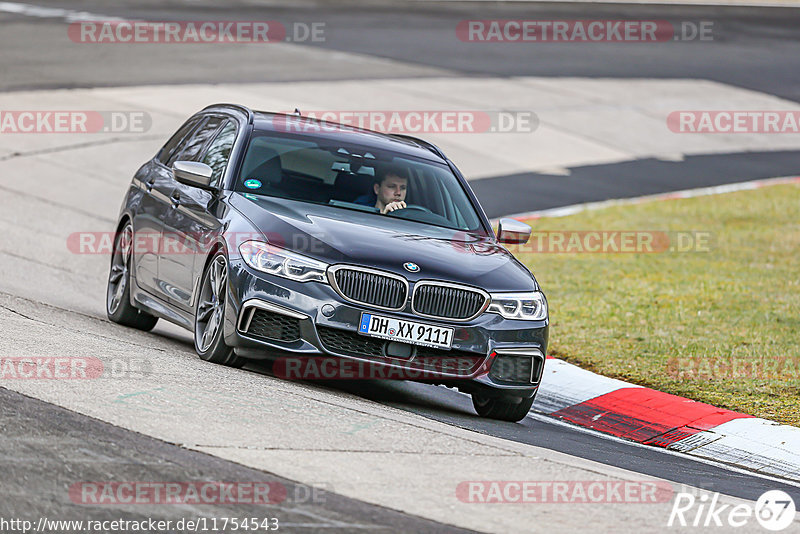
(389, 191)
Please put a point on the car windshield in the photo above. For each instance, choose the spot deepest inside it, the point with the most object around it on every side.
(345, 176)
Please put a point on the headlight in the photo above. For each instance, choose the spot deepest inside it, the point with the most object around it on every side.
(526, 306)
(280, 262)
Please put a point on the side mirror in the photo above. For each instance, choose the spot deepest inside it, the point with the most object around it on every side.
(513, 231)
(193, 173)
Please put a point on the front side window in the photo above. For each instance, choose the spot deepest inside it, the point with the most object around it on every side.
(176, 143)
(219, 151)
(352, 177)
(192, 147)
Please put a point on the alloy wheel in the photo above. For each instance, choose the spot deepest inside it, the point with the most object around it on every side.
(211, 309)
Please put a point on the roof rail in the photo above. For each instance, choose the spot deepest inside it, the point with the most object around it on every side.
(247, 111)
(430, 146)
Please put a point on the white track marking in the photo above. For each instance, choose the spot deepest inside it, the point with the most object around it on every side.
(708, 461)
(68, 15)
(758, 444)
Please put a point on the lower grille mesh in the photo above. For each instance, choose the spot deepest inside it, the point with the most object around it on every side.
(270, 325)
(344, 342)
(352, 344)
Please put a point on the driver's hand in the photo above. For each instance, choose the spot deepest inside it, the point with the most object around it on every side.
(392, 206)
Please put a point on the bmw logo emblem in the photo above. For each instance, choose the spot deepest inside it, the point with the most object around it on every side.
(411, 267)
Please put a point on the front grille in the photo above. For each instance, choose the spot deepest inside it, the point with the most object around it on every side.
(349, 343)
(371, 288)
(275, 326)
(516, 368)
(447, 301)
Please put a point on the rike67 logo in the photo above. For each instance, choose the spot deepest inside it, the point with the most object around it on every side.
(774, 510)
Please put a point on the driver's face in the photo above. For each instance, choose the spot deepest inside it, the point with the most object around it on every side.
(392, 189)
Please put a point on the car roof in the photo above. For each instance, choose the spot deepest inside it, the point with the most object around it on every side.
(265, 121)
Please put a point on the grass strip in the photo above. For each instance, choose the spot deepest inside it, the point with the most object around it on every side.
(716, 320)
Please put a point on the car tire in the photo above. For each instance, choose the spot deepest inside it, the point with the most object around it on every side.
(209, 317)
(118, 291)
(502, 408)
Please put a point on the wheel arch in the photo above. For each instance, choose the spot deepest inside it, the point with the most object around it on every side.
(219, 245)
(126, 218)
(123, 220)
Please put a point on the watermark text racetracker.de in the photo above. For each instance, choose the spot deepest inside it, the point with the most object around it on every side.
(206, 492)
(763, 367)
(107, 493)
(420, 368)
(563, 492)
(600, 242)
(73, 368)
(410, 121)
(194, 32)
(734, 122)
(582, 31)
(175, 243)
(73, 122)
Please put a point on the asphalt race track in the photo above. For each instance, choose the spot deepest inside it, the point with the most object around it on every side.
(33, 429)
(594, 183)
(50, 438)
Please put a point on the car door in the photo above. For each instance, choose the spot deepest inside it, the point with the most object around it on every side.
(155, 180)
(190, 222)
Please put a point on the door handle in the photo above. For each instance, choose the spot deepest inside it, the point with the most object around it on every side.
(175, 197)
(149, 184)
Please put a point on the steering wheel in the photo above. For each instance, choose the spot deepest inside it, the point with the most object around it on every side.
(411, 207)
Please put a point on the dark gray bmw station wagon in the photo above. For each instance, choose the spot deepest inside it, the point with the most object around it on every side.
(277, 236)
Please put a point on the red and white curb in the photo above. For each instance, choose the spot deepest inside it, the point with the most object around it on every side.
(659, 419)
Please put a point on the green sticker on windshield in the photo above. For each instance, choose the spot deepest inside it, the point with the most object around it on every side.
(252, 183)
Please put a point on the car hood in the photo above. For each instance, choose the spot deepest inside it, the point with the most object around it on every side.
(337, 235)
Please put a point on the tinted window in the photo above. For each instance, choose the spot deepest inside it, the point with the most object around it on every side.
(175, 143)
(193, 146)
(345, 176)
(219, 151)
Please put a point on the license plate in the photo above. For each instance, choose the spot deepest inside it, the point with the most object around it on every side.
(406, 331)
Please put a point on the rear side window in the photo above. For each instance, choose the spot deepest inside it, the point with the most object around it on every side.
(176, 142)
(197, 141)
(219, 151)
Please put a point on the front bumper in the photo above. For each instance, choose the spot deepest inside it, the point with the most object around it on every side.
(269, 316)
